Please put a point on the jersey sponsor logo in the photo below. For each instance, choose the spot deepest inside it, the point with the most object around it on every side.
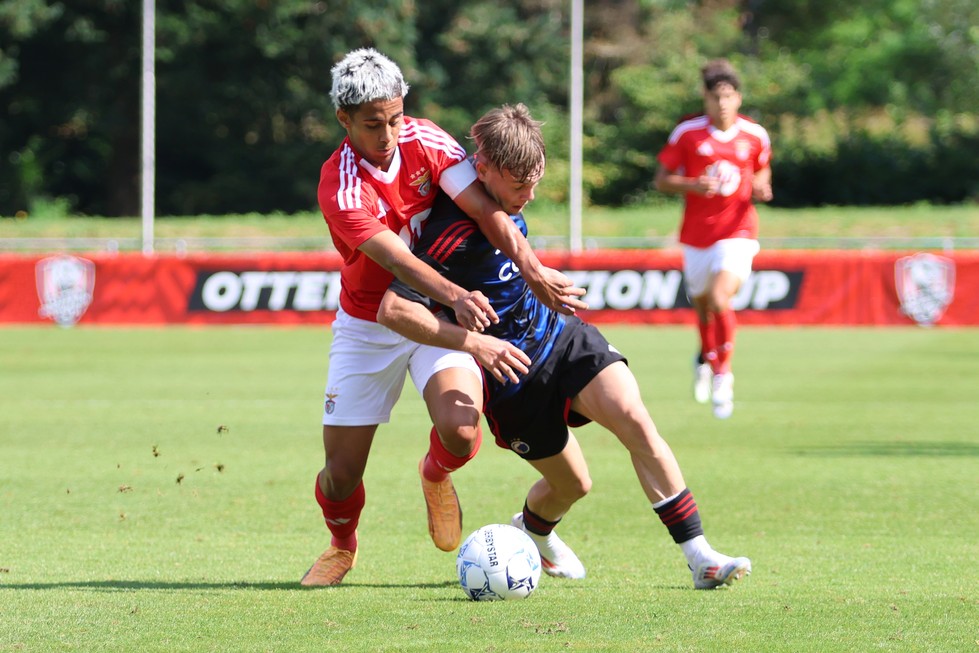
(414, 227)
(65, 286)
(508, 270)
(925, 286)
(520, 446)
(421, 180)
(728, 174)
(224, 291)
(624, 290)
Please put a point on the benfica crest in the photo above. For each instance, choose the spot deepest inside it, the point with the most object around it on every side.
(64, 285)
(742, 149)
(925, 286)
(330, 404)
(422, 180)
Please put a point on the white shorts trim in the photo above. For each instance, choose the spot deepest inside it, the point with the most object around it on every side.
(700, 264)
(367, 370)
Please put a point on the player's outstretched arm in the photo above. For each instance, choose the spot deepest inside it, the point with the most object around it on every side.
(551, 286)
(412, 320)
(386, 248)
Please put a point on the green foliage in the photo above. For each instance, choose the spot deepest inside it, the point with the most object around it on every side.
(244, 119)
(244, 92)
(878, 161)
(918, 55)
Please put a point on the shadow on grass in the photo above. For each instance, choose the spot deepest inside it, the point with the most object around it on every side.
(896, 448)
(140, 585)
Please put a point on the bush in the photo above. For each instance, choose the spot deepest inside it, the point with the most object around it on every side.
(864, 165)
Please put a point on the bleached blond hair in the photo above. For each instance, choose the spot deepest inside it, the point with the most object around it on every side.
(365, 75)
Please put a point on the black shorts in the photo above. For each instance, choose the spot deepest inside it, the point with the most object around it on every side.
(534, 421)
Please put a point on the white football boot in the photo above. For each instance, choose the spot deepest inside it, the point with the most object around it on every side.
(702, 375)
(718, 569)
(556, 557)
(722, 394)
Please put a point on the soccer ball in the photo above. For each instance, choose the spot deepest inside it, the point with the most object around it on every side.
(498, 562)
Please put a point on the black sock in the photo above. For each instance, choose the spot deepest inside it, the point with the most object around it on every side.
(681, 517)
(537, 524)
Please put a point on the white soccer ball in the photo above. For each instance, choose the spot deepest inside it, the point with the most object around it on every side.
(498, 562)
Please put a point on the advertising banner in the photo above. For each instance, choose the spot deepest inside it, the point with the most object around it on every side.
(629, 286)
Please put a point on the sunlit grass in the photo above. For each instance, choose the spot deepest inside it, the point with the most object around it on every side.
(156, 493)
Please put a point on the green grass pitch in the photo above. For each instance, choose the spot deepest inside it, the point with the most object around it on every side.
(156, 495)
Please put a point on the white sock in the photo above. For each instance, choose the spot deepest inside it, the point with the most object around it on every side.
(695, 550)
(660, 504)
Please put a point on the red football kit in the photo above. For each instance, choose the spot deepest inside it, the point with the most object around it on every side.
(696, 148)
(358, 201)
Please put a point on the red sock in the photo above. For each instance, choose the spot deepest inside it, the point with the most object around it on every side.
(725, 323)
(342, 516)
(707, 353)
(439, 463)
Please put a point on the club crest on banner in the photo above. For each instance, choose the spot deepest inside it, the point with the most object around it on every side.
(65, 286)
(925, 286)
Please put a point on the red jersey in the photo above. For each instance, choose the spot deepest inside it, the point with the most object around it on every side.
(695, 148)
(358, 201)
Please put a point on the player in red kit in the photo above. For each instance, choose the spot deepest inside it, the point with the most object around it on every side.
(719, 161)
(375, 192)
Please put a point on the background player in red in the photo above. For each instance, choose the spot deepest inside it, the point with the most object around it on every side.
(375, 192)
(719, 161)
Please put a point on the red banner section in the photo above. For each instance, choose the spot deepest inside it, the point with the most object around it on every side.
(638, 286)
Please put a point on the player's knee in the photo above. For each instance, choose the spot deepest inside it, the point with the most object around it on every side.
(338, 481)
(460, 438)
(580, 488)
(718, 302)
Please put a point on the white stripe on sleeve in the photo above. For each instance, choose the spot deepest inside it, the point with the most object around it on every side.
(348, 197)
(456, 179)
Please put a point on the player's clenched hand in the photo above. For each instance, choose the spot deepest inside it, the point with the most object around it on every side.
(707, 185)
(761, 191)
(556, 291)
(474, 312)
(498, 357)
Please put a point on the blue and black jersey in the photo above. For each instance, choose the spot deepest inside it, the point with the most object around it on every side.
(452, 243)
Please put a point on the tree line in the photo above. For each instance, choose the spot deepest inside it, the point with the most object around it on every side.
(867, 103)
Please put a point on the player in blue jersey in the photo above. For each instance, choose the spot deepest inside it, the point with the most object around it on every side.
(574, 375)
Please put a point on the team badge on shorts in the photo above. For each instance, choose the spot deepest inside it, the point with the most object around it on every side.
(65, 286)
(330, 405)
(520, 447)
(925, 286)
